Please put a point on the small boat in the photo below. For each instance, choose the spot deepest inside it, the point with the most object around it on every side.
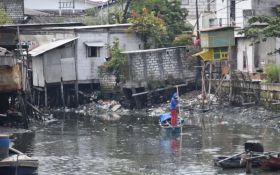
(18, 163)
(164, 122)
(238, 160)
(271, 163)
(233, 162)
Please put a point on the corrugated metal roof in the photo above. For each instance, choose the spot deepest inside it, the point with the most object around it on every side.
(49, 46)
(90, 27)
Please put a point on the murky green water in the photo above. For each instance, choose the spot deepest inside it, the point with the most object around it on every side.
(76, 145)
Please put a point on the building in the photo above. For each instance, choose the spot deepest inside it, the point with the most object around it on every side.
(57, 4)
(250, 57)
(70, 56)
(203, 6)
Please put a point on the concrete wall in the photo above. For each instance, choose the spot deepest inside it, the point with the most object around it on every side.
(245, 51)
(264, 7)
(14, 9)
(158, 65)
(257, 54)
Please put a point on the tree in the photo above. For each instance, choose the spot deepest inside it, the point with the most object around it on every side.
(3, 16)
(151, 28)
(169, 11)
(270, 28)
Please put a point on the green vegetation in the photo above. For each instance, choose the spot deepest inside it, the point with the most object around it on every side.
(169, 11)
(150, 28)
(182, 40)
(117, 63)
(4, 19)
(270, 27)
(272, 73)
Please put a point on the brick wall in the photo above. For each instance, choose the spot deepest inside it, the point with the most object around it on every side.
(14, 9)
(159, 65)
(107, 82)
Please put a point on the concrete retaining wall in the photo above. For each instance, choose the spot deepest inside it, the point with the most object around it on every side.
(148, 66)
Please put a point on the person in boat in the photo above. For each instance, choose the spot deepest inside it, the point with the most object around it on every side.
(173, 109)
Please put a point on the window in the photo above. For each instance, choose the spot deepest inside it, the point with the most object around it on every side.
(93, 51)
(220, 53)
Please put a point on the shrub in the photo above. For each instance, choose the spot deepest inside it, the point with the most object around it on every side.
(272, 73)
(182, 40)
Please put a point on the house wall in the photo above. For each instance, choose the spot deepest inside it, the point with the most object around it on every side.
(223, 12)
(190, 5)
(88, 67)
(14, 9)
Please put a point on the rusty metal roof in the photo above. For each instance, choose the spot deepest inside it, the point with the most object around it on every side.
(49, 46)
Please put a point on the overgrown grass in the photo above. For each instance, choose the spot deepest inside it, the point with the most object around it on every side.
(272, 73)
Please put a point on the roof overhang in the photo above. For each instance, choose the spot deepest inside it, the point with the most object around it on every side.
(49, 46)
(205, 54)
(94, 44)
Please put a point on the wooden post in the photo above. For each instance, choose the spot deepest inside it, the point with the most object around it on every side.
(135, 98)
(46, 95)
(210, 77)
(249, 163)
(62, 92)
(76, 74)
(203, 90)
(248, 167)
(38, 98)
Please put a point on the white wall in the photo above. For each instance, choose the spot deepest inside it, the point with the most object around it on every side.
(222, 11)
(244, 47)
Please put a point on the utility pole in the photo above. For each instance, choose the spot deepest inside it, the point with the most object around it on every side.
(108, 12)
(197, 20)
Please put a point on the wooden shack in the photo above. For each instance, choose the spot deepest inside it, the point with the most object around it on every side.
(216, 43)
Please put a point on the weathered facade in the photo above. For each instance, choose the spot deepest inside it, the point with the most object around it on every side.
(91, 46)
(14, 9)
(67, 56)
(54, 62)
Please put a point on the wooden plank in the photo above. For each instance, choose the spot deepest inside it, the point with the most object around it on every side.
(160, 89)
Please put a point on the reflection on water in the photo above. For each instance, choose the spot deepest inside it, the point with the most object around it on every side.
(136, 145)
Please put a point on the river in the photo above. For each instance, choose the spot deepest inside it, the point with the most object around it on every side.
(78, 145)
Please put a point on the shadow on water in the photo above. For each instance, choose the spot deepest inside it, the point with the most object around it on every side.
(75, 144)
